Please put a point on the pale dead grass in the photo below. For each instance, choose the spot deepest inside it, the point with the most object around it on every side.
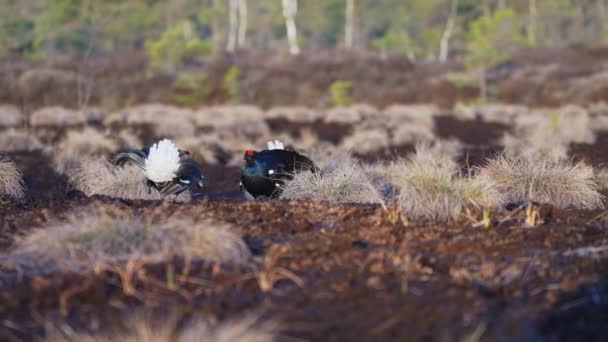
(100, 177)
(366, 141)
(143, 328)
(505, 114)
(68, 154)
(296, 114)
(57, 116)
(19, 140)
(431, 188)
(352, 114)
(10, 116)
(97, 239)
(547, 133)
(240, 120)
(342, 180)
(11, 181)
(561, 184)
(601, 178)
(416, 115)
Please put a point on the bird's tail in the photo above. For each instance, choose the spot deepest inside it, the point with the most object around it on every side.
(136, 156)
(276, 145)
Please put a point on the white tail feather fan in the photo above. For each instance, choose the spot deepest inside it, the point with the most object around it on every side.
(276, 145)
(162, 162)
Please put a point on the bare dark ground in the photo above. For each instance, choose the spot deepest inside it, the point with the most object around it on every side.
(353, 272)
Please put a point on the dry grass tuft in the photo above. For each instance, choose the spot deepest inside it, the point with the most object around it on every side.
(431, 188)
(19, 140)
(97, 240)
(11, 181)
(70, 151)
(366, 141)
(601, 178)
(547, 134)
(241, 120)
(352, 114)
(141, 328)
(295, 114)
(10, 116)
(562, 184)
(57, 116)
(100, 177)
(416, 115)
(341, 181)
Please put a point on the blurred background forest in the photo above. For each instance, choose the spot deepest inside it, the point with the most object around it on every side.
(192, 52)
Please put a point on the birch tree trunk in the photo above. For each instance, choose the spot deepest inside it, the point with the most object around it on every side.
(532, 22)
(349, 27)
(242, 23)
(444, 47)
(601, 15)
(290, 9)
(232, 25)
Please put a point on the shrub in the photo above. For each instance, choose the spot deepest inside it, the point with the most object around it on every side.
(562, 184)
(102, 239)
(10, 116)
(340, 92)
(100, 177)
(11, 181)
(19, 140)
(230, 82)
(366, 141)
(341, 181)
(70, 151)
(547, 134)
(177, 44)
(296, 114)
(57, 116)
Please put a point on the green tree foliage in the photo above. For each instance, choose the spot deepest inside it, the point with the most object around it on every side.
(490, 39)
(176, 45)
(340, 92)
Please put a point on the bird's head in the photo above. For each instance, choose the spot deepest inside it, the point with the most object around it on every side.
(249, 154)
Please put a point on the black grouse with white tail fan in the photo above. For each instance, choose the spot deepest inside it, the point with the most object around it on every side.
(168, 169)
(266, 171)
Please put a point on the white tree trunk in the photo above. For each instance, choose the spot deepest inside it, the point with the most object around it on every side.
(532, 22)
(232, 25)
(444, 46)
(290, 9)
(242, 23)
(349, 29)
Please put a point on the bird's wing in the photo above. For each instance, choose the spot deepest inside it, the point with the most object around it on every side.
(189, 171)
(174, 189)
(136, 156)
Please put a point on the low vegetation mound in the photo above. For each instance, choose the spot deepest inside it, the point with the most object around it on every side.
(521, 180)
(341, 180)
(11, 181)
(101, 240)
(100, 177)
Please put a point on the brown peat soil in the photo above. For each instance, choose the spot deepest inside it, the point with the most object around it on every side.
(334, 272)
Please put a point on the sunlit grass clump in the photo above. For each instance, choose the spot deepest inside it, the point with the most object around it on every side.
(342, 180)
(100, 177)
(99, 240)
(11, 181)
(431, 188)
(562, 184)
(141, 328)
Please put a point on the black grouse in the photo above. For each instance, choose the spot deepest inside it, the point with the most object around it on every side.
(168, 169)
(266, 171)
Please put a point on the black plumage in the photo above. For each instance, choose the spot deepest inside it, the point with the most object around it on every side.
(188, 174)
(265, 171)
